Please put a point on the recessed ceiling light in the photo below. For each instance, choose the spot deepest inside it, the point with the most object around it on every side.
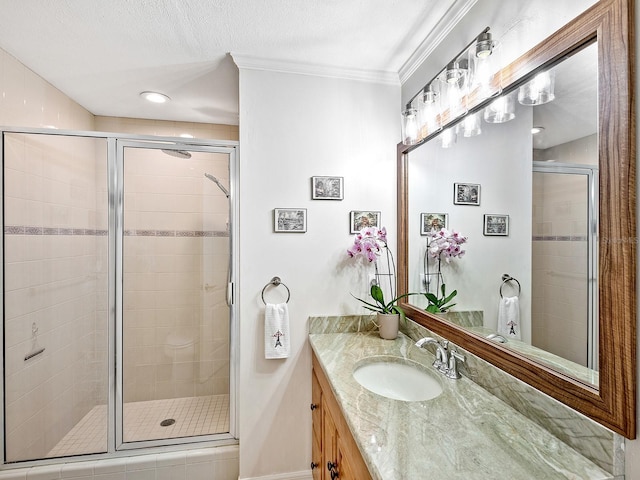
(535, 130)
(186, 135)
(155, 97)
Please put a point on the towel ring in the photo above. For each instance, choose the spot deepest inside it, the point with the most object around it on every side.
(275, 281)
(507, 278)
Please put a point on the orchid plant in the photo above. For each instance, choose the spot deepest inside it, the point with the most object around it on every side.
(442, 244)
(370, 243)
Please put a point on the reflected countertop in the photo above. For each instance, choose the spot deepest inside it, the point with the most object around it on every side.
(463, 433)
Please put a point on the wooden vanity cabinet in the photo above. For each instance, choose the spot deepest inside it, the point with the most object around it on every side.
(335, 454)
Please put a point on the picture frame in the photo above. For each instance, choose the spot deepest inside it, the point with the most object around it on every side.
(496, 225)
(327, 188)
(466, 194)
(289, 220)
(433, 221)
(359, 219)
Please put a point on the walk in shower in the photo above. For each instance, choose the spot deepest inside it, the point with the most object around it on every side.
(117, 281)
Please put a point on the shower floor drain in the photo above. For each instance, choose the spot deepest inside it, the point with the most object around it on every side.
(167, 422)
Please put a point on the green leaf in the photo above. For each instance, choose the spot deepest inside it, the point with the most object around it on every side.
(376, 293)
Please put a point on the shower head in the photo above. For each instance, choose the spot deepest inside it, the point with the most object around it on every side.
(217, 182)
(178, 153)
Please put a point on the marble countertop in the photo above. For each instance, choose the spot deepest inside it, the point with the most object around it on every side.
(463, 433)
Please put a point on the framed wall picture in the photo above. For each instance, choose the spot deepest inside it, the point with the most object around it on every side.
(289, 220)
(359, 219)
(327, 188)
(466, 194)
(496, 225)
(432, 221)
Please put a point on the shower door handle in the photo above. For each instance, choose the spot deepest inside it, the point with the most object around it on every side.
(229, 294)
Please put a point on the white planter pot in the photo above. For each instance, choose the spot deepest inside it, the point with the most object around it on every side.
(388, 324)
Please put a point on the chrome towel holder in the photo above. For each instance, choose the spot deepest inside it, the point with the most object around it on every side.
(508, 278)
(275, 281)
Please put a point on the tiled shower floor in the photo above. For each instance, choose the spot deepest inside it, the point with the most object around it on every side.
(192, 415)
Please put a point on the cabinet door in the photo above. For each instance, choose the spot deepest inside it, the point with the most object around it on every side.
(329, 444)
(345, 469)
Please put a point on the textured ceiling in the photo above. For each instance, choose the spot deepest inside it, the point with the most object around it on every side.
(103, 53)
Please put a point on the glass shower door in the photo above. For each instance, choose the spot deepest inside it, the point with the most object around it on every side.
(564, 277)
(55, 286)
(175, 316)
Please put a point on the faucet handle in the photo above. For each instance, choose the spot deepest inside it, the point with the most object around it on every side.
(444, 343)
(454, 358)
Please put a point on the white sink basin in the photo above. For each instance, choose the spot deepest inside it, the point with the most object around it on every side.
(397, 379)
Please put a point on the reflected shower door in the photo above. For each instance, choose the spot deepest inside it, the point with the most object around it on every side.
(564, 276)
(175, 319)
(55, 240)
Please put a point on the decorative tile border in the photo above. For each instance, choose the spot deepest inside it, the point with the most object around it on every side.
(31, 230)
(559, 238)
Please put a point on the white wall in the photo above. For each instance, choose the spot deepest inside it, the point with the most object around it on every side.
(293, 127)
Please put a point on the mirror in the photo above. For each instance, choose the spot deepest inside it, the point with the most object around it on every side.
(550, 221)
(532, 217)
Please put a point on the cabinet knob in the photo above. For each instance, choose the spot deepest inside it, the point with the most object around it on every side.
(314, 465)
(313, 406)
(331, 466)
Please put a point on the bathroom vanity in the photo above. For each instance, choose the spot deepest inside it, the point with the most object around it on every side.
(464, 432)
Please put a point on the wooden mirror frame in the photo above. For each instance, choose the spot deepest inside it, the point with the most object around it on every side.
(613, 404)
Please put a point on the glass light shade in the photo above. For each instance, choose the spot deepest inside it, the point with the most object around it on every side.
(501, 110)
(430, 111)
(484, 72)
(410, 127)
(471, 125)
(454, 93)
(538, 91)
(449, 137)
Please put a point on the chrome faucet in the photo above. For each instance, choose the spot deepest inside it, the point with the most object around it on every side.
(446, 361)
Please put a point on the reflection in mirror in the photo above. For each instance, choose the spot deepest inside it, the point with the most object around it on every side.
(527, 204)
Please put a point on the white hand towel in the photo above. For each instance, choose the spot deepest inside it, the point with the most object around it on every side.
(509, 317)
(276, 331)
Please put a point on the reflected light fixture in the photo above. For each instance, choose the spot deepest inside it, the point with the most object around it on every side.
(538, 91)
(154, 97)
(536, 130)
(449, 137)
(501, 110)
(471, 125)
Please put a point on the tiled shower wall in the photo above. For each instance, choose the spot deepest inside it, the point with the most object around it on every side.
(559, 273)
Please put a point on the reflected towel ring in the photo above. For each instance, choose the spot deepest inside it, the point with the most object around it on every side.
(275, 281)
(507, 278)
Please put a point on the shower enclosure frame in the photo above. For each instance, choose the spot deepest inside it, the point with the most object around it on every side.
(115, 145)
(591, 173)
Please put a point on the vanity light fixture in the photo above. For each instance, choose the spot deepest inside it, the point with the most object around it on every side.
(470, 74)
(429, 112)
(410, 130)
(154, 97)
(484, 45)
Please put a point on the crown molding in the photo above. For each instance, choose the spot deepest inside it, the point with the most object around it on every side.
(250, 62)
(448, 21)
